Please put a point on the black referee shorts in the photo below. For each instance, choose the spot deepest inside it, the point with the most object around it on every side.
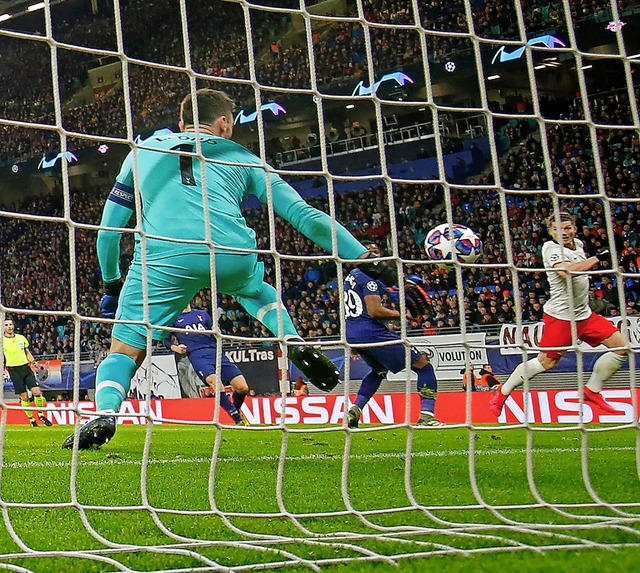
(22, 377)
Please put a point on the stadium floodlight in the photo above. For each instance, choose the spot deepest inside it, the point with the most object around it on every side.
(34, 7)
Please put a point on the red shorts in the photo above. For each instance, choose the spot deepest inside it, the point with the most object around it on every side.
(557, 333)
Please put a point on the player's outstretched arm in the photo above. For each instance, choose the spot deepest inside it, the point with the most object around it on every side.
(311, 222)
(565, 269)
(317, 226)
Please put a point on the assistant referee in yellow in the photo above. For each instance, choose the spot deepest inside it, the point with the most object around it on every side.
(18, 360)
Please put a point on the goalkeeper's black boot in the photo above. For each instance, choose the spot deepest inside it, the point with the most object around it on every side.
(93, 434)
(320, 371)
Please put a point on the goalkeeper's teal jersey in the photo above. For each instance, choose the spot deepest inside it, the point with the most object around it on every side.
(174, 204)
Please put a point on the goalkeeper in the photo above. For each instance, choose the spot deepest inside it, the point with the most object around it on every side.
(183, 198)
(364, 315)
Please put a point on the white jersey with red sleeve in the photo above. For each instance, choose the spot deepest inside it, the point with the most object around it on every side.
(566, 303)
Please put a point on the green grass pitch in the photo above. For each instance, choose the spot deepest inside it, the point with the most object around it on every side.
(533, 513)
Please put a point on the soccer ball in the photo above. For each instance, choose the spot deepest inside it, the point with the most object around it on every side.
(455, 243)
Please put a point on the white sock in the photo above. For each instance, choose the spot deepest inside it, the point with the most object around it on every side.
(604, 368)
(526, 370)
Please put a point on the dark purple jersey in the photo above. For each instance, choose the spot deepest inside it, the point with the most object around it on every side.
(195, 322)
(362, 329)
(357, 286)
(201, 346)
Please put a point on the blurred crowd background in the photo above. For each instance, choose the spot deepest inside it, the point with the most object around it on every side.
(51, 265)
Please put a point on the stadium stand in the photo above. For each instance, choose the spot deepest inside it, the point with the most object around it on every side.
(309, 289)
(339, 50)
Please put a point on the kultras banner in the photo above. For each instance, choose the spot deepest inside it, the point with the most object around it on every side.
(541, 407)
(171, 376)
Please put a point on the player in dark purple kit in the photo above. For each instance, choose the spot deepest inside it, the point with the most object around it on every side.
(365, 316)
(201, 348)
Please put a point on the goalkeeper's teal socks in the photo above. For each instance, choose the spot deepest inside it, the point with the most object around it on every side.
(264, 305)
(113, 380)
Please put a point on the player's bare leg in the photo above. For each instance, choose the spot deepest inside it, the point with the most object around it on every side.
(605, 367)
(119, 368)
(525, 371)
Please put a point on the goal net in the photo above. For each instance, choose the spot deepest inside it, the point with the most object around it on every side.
(392, 117)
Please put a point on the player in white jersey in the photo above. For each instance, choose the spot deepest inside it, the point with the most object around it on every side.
(563, 257)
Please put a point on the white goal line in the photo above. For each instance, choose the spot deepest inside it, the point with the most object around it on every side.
(325, 457)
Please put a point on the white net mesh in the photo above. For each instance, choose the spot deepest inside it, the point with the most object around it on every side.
(381, 102)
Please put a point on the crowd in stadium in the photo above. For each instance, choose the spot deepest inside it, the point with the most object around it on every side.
(38, 267)
(218, 46)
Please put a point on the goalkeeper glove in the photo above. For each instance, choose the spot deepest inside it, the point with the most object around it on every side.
(109, 301)
(415, 297)
(603, 254)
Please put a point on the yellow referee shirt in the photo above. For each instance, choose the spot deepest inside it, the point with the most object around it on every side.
(15, 350)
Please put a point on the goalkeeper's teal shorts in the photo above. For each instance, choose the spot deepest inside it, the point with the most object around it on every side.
(171, 279)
